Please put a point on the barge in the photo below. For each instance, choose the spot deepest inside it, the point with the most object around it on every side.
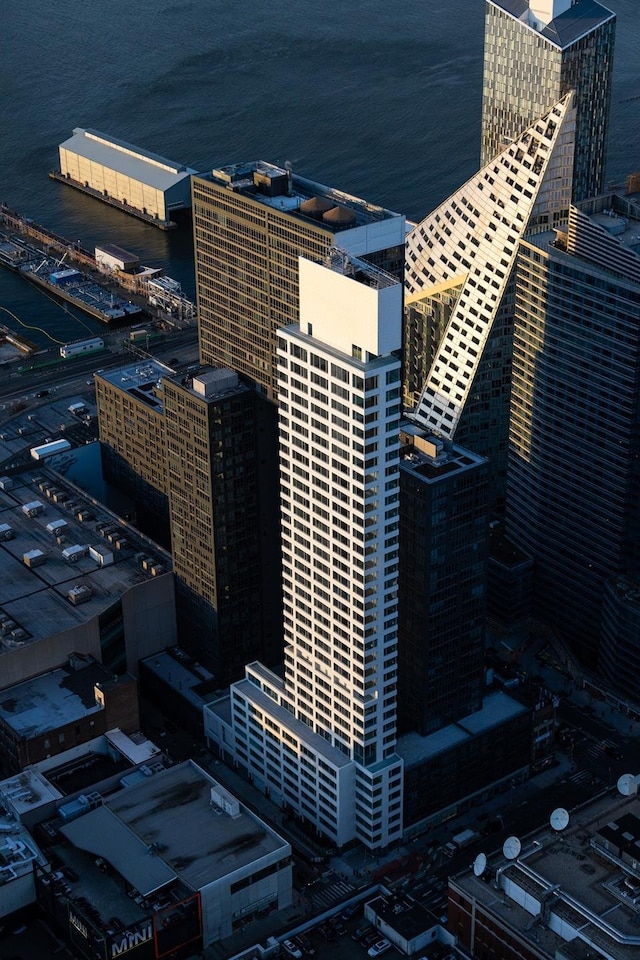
(77, 288)
(65, 283)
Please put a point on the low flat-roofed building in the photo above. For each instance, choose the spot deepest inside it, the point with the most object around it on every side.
(568, 894)
(100, 765)
(406, 924)
(115, 170)
(18, 852)
(176, 855)
(181, 684)
(49, 713)
(455, 767)
(117, 612)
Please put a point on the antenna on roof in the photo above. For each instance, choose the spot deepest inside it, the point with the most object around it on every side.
(289, 168)
(559, 819)
(479, 865)
(511, 848)
(628, 785)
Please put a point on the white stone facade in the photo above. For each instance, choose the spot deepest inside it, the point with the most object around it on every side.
(323, 741)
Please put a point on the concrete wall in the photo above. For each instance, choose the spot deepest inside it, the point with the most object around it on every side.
(149, 612)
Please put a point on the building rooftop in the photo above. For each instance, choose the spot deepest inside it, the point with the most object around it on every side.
(35, 601)
(618, 215)
(317, 743)
(579, 875)
(497, 708)
(579, 20)
(18, 851)
(170, 826)
(141, 380)
(344, 263)
(127, 159)
(54, 699)
(284, 190)
(409, 918)
(429, 458)
(27, 791)
(193, 681)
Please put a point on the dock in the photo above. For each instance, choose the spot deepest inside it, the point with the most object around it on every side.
(112, 202)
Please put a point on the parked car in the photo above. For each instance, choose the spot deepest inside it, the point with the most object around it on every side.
(361, 930)
(379, 947)
(339, 927)
(350, 912)
(370, 937)
(305, 945)
(292, 949)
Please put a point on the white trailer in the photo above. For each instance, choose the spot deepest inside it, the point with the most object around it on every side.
(81, 346)
(50, 449)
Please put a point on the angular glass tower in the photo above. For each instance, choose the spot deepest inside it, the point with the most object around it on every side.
(535, 52)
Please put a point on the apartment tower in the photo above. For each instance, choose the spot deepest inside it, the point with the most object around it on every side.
(251, 223)
(322, 739)
(572, 499)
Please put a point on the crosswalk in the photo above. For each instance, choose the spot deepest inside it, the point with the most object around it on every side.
(583, 776)
(339, 890)
(595, 750)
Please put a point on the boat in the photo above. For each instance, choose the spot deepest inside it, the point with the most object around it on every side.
(75, 287)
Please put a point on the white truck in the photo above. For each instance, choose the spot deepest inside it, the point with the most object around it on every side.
(460, 841)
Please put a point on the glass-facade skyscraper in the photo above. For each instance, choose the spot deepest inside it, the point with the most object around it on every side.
(535, 52)
(572, 496)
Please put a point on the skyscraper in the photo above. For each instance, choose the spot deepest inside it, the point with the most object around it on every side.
(223, 502)
(251, 222)
(467, 247)
(205, 450)
(535, 52)
(444, 527)
(572, 499)
(322, 740)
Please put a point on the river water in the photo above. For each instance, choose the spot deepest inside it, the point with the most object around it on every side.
(379, 99)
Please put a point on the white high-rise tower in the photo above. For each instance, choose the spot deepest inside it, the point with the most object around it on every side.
(322, 740)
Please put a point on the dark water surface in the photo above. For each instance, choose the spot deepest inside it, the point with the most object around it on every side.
(380, 99)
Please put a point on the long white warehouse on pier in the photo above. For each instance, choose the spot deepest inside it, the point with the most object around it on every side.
(123, 175)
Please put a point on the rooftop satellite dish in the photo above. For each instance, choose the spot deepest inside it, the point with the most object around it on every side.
(511, 848)
(559, 819)
(479, 865)
(627, 785)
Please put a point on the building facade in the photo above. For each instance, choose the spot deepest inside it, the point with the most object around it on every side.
(322, 739)
(536, 51)
(443, 557)
(222, 487)
(251, 222)
(470, 242)
(573, 459)
(131, 425)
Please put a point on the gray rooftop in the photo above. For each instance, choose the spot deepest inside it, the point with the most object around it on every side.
(582, 886)
(497, 708)
(579, 20)
(167, 827)
(141, 380)
(52, 700)
(36, 599)
(241, 178)
(317, 743)
(127, 159)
